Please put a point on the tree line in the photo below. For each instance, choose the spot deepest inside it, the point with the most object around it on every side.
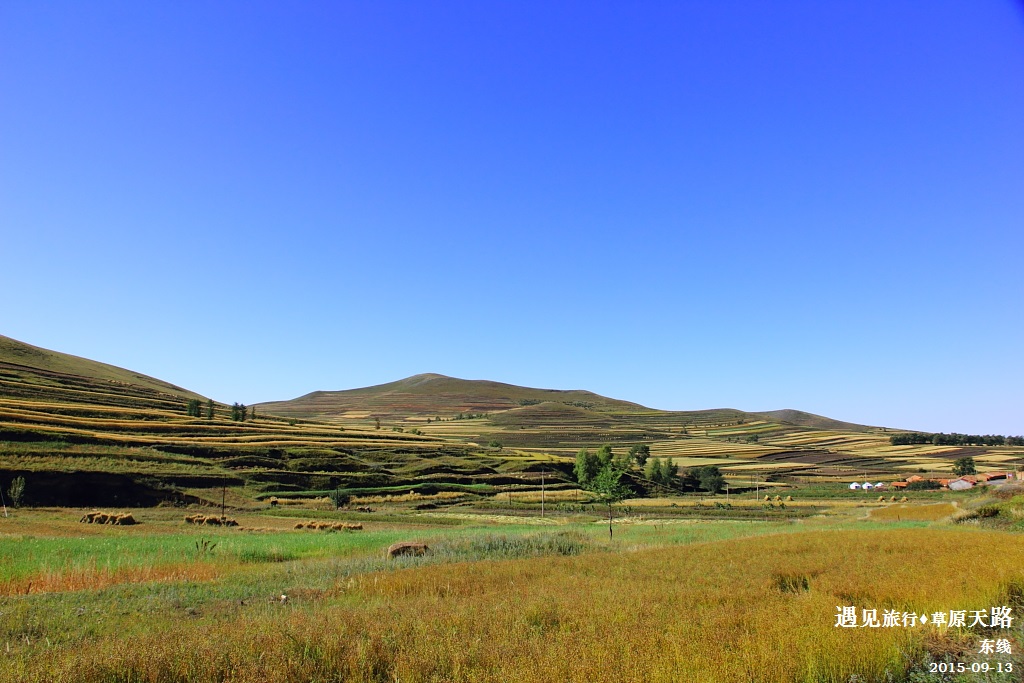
(658, 471)
(239, 411)
(954, 439)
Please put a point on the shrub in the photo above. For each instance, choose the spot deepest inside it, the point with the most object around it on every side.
(17, 491)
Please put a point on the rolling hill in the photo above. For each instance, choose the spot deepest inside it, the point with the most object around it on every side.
(433, 395)
(87, 433)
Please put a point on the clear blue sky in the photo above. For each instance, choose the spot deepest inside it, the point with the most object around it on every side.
(759, 205)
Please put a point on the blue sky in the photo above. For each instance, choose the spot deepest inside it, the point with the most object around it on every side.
(690, 205)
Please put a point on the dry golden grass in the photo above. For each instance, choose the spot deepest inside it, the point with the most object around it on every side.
(914, 512)
(411, 497)
(715, 612)
(97, 578)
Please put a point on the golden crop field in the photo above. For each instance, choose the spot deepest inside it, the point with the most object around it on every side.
(760, 608)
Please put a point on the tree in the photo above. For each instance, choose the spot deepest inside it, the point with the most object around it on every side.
(495, 444)
(654, 470)
(339, 497)
(17, 491)
(586, 467)
(711, 479)
(193, 409)
(640, 453)
(669, 472)
(604, 455)
(376, 421)
(964, 466)
(209, 409)
(608, 490)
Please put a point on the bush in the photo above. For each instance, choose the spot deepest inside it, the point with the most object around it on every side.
(17, 491)
(924, 485)
(988, 511)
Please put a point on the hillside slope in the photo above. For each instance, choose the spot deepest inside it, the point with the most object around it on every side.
(26, 363)
(799, 417)
(433, 395)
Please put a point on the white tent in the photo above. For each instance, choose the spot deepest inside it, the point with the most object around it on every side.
(867, 485)
(880, 485)
(854, 485)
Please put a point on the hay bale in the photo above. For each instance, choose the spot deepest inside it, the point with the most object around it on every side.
(101, 518)
(778, 499)
(789, 499)
(881, 499)
(89, 517)
(211, 521)
(903, 499)
(893, 499)
(354, 527)
(408, 548)
(230, 522)
(767, 498)
(300, 525)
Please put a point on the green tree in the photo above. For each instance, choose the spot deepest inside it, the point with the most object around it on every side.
(640, 453)
(605, 455)
(17, 491)
(586, 467)
(339, 497)
(193, 408)
(376, 421)
(653, 471)
(669, 472)
(608, 490)
(711, 479)
(209, 409)
(964, 466)
(495, 444)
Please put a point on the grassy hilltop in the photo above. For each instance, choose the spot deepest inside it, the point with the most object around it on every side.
(779, 444)
(88, 431)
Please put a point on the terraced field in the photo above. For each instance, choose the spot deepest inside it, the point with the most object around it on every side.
(87, 431)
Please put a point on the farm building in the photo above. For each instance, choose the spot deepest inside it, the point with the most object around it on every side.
(960, 484)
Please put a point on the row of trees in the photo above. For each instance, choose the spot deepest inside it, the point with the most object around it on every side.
(239, 411)
(601, 473)
(941, 439)
(660, 471)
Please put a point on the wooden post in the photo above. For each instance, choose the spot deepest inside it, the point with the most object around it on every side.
(542, 493)
(223, 495)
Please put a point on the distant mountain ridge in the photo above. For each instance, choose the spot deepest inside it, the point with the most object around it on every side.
(799, 417)
(432, 394)
(423, 395)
